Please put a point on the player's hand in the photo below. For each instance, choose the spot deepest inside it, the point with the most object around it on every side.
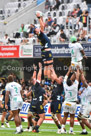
(77, 67)
(6, 106)
(40, 65)
(35, 67)
(38, 14)
(85, 57)
(1, 105)
(70, 69)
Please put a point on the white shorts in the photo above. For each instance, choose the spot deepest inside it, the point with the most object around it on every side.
(75, 64)
(85, 110)
(85, 28)
(16, 104)
(69, 107)
(80, 25)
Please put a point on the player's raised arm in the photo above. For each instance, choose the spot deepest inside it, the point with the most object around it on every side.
(68, 73)
(40, 18)
(55, 78)
(40, 72)
(83, 80)
(77, 74)
(83, 53)
(34, 73)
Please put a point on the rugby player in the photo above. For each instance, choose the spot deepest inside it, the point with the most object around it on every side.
(56, 100)
(85, 109)
(46, 53)
(77, 53)
(14, 91)
(69, 105)
(39, 99)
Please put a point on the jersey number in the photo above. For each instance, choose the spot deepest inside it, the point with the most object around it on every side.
(16, 90)
(70, 93)
(58, 98)
(40, 98)
(72, 52)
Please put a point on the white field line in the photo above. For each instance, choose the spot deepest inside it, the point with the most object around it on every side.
(45, 130)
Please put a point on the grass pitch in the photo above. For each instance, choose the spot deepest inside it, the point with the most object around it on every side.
(45, 130)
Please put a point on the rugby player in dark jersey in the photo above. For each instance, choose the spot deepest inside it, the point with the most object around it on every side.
(8, 115)
(39, 99)
(46, 53)
(56, 100)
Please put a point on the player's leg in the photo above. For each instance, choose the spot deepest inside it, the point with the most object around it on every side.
(71, 123)
(56, 116)
(40, 121)
(8, 118)
(17, 121)
(2, 118)
(63, 130)
(81, 124)
(41, 113)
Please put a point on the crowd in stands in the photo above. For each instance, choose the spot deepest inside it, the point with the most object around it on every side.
(61, 21)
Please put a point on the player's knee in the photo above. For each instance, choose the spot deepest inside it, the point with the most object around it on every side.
(54, 117)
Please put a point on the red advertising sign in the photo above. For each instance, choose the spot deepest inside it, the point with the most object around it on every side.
(10, 51)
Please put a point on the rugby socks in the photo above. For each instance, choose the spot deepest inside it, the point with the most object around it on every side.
(63, 126)
(59, 127)
(28, 127)
(31, 124)
(2, 123)
(71, 128)
(84, 130)
(21, 126)
(37, 127)
(18, 129)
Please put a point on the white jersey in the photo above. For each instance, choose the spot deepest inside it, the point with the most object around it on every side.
(83, 98)
(88, 94)
(75, 49)
(14, 89)
(71, 91)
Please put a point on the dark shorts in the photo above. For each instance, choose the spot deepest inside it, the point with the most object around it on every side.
(4, 109)
(39, 109)
(56, 107)
(46, 55)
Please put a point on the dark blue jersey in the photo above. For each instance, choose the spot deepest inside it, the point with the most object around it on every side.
(44, 41)
(37, 94)
(56, 92)
(3, 92)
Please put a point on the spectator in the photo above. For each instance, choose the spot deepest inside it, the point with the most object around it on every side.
(79, 11)
(7, 40)
(84, 17)
(49, 21)
(56, 6)
(23, 31)
(62, 37)
(74, 12)
(31, 30)
(75, 22)
(47, 5)
(54, 29)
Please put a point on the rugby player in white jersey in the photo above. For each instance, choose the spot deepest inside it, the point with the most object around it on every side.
(69, 105)
(85, 109)
(77, 53)
(13, 90)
